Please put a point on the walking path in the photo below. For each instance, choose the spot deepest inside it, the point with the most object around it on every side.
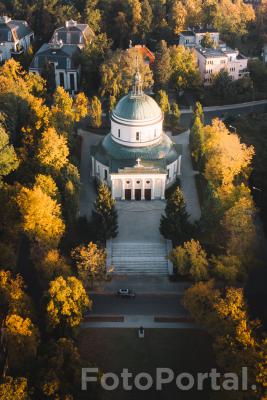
(227, 106)
(88, 192)
(136, 321)
(187, 177)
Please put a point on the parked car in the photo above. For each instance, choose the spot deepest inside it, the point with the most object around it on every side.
(125, 293)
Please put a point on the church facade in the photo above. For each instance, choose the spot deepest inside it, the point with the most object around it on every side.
(137, 160)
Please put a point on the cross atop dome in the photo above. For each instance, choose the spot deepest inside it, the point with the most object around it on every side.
(137, 89)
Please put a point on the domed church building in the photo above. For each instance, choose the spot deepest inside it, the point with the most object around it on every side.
(137, 160)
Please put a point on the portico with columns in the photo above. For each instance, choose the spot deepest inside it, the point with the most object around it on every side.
(137, 160)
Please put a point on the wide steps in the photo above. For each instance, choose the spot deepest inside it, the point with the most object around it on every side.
(139, 258)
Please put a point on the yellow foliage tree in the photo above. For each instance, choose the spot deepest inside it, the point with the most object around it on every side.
(225, 156)
(90, 261)
(53, 150)
(41, 216)
(14, 389)
(67, 301)
(21, 338)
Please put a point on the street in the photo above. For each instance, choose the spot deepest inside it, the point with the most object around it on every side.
(156, 305)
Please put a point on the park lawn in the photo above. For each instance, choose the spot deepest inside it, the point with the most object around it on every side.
(181, 350)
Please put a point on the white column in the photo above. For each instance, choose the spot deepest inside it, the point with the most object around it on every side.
(143, 190)
(133, 187)
(163, 181)
(112, 189)
(123, 190)
(179, 165)
(153, 190)
(93, 166)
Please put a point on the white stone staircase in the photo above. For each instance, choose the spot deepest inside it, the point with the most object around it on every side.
(138, 258)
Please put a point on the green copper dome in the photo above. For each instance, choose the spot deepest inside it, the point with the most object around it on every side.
(139, 107)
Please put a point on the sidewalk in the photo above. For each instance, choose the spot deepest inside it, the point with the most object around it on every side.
(187, 178)
(227, 106)
(146, 321)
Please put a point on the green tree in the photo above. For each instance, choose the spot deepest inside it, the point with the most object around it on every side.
(8, 159)
(174, 224)
(207, 41)
(95, 112)
(185, 72)
(146, 20)
(93, 15)
(163, 101)
(175, 115)
(67, 302)
(197, 142)
(105, 214)
(222, 84)
(162, 66)
(90, 262)
(190, 260)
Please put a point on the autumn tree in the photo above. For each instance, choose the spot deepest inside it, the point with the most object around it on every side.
(118, 70)
(40, 216)
(146, 20)
(227, 268)
(163, 101)
(224, 314)
(14, 389)
(174, 224)
(67, 302)
(49, 263)
(21, 338)
(8, 158)
(48, 185)
(190, 260)
(225, 156)
(95, 112)
(239, 226)
(177, 16)
(93, 15)
(53, 150)
(105, 214)
(60, 366)
(90, 262)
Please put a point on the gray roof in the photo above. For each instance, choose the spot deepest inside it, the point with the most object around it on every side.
(19, 30)
(141, 108)
(74, 34)
(56, 53)
(116, 156)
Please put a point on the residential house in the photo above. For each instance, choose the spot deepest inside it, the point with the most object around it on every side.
(212, 61)
(147, 55)
(65, 60)
(74, 33)
(5, 53)
(193, 37)
(16, 35)
(264, 53)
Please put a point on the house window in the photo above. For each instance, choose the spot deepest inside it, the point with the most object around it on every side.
(155, 132)
(62, 79)
(119, 133)
(72, 82)
(105, 174)
(168, 173)
(137, 135)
